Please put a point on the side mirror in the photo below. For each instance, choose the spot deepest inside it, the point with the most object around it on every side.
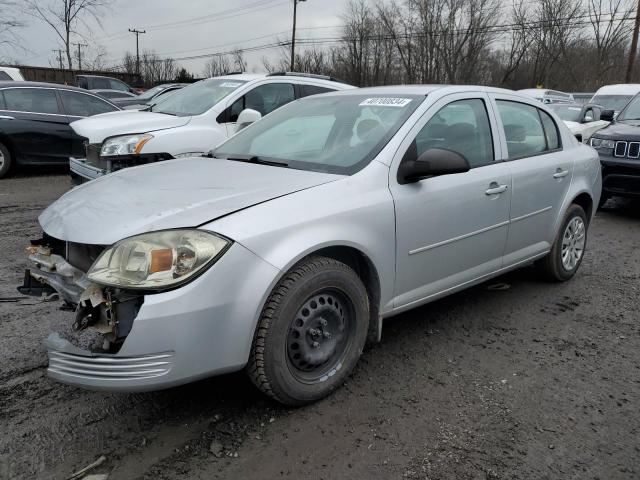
(607, 115)
(246, 118)
(434, 161)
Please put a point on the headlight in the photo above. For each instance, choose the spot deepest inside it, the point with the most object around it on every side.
(125, 145)
(157, 260)
(602, 143)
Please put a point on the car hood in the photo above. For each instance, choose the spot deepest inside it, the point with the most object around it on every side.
(173, 194)
(621, 131)
(574, 127)
(123, 122)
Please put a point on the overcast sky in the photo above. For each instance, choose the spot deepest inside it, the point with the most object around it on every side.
(205, 28)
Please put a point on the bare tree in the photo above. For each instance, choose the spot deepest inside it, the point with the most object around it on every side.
(9, 24)
(217, 65)
(63, 16)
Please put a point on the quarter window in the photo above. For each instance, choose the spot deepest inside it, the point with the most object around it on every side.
(550, 130)
(463, 127)
(307, 90)
(82, 105)
(522, 128)
(35, 100)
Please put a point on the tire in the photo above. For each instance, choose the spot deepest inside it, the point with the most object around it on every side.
(299, 353)
(560, 265)
(5, 161)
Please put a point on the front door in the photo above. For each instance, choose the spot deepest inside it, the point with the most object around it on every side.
(451, 229)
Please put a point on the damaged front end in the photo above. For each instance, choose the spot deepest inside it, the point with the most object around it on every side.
(103, 316)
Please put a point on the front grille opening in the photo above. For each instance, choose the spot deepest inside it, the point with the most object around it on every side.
(634, 150)
(621, 149)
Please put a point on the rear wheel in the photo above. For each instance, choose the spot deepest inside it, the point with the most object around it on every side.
(5, 161)
(311, 332)
(567, 252)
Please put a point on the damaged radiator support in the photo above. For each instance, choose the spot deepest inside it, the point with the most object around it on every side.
(107, 311)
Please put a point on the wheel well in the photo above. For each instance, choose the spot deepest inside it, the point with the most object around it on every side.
(368, 273)
(12, 151)
(585, 201)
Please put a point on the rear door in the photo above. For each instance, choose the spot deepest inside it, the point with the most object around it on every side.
(541, 172)
(39, 128)
(451, 229)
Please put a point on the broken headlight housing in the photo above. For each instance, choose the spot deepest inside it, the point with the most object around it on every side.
(157, 260)
(124, 145)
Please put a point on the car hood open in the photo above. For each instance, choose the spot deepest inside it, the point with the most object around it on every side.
(124, 122)
(173, 194)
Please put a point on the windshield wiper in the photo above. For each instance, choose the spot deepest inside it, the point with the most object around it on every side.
(257, 160)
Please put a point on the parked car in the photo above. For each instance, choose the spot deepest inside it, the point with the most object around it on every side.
(285, 251)
(151, 96)
(547, 96)
(11, 73)
(619, 148)
(98, 82)
(189, 122)
(34, 122)
(615, 97)
(582, 120)
(114, 94)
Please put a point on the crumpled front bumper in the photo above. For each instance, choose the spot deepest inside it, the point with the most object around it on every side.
(82, 171)
(200, 329)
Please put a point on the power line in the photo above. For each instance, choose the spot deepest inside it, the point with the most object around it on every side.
(80, 45)
(137, 33)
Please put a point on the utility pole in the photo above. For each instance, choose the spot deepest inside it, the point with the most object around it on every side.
(634, 45)
(80, 45)
(293, 36)
(138, 33)
(59, 52)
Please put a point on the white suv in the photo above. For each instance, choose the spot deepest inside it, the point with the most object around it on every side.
(190, 122)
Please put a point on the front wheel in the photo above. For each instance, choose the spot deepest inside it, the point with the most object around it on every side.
(311, 332)
(567, 251)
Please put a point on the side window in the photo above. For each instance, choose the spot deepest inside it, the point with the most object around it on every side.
(118, 85)
(550, 130)
(5, 76)
(82, 82)
(461, 126)
(306, 90)
(81, 105)
(522, 129)
(36, 100)
(235, 109)
(266, 98)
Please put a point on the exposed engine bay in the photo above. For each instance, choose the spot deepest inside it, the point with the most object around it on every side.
(103, 316)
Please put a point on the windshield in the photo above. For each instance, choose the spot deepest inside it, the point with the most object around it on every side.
(150, 93)
(568, 113)
(611, 102)
(334, 134)
(631, 111)
(197, 98)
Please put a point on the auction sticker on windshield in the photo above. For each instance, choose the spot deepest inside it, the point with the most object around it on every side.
(385, 102)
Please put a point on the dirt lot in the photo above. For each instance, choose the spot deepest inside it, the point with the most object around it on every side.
(538, 381)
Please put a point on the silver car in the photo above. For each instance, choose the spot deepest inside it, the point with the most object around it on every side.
(285, 251)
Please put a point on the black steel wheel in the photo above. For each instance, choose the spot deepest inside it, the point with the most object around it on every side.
(311, 332)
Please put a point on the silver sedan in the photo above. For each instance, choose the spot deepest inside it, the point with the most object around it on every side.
(285, 250)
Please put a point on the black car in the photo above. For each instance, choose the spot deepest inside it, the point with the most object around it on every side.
(619, 148)
(150, 96)
(34, 122)
(99, 82)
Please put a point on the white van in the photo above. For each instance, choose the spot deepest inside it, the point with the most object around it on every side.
(11, 73)
(615, 97)
(189, 122)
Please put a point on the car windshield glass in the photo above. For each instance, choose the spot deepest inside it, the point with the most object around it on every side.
(611, 102)
(631, 111)
(335, 133)
(150, 93)
(568, 113)
(197, 98)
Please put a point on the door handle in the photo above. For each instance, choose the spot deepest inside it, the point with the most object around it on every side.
(560, 173)
(495, 189)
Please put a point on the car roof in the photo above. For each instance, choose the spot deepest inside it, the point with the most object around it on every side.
(619, 89)
(249, 77)
(424, 90)
(7, 83)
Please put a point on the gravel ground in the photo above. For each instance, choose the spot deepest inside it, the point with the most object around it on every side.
(536, 381)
